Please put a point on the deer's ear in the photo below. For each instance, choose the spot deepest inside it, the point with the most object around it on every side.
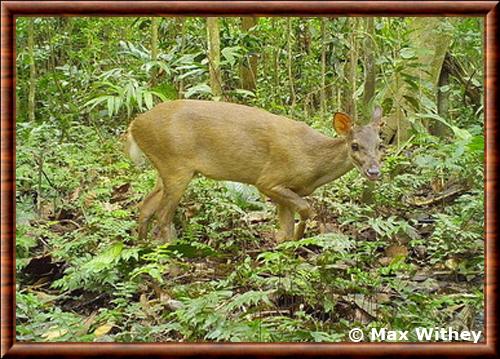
(342, 123)
(377, 117)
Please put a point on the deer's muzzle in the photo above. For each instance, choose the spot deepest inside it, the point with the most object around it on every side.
(373, 173)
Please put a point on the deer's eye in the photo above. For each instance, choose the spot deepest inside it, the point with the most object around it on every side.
(355, 147)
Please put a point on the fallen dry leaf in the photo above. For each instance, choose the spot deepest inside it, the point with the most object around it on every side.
(327, 228)
(74, 196)
(87, 323)
(451, 263)
(382, 298)
(54, 333)
(396, 251)
(103, 329)
(46, 210)
(257, 216)
(110, 206)
(385, 261)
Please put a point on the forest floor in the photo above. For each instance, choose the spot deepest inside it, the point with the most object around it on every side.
(404, 253)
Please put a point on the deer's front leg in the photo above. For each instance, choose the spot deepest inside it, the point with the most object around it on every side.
(286, 197)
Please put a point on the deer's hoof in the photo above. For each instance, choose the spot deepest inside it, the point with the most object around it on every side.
(168, 234)
(282, 236)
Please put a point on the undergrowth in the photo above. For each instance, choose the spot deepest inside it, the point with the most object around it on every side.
(407, 252)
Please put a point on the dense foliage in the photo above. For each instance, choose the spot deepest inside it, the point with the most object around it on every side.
(406, 252)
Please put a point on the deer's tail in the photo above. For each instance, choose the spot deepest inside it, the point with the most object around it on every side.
(132, 148)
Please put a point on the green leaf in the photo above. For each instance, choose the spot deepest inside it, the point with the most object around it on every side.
(413, 101)
(105, 259)
(444, 88)
(118, 104)
(231, 54)
(244, 93)
(111, 105)
(139, 94)
(407, 53)
(196, 72)
(95, 102)
(130, 92)
(192, 249)
(148, 99)
(198, 89)
(476, 144)
(159, 95)
(167, 90)
(336, 241)
(250, 298)
(460, 133)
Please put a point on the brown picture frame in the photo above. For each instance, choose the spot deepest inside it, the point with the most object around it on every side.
(11, 9)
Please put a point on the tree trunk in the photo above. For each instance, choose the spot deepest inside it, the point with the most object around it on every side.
(430, 44)
(350, 72)
(369, 90)
(180, 90)
(438, 128)
(304, 36)
(276, 58)
(291, 80)
(214, 57)
(370, 71)
(322, 92)
(32, 81)
(472, 93)
(154, 46)
(248, 67)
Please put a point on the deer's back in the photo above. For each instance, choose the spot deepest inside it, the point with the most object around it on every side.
(223, 140)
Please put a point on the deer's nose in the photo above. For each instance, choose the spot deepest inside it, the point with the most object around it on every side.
(373, 172)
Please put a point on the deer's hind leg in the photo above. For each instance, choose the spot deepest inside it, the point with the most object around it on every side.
(148, 208)
(173, 188)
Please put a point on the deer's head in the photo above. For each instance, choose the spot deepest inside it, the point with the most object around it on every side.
(363, 142)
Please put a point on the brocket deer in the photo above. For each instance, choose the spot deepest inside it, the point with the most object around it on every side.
(285, 159)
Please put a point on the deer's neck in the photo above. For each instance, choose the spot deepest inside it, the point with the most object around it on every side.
(333, 160)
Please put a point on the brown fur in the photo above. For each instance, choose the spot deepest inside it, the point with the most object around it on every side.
(283, 158)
